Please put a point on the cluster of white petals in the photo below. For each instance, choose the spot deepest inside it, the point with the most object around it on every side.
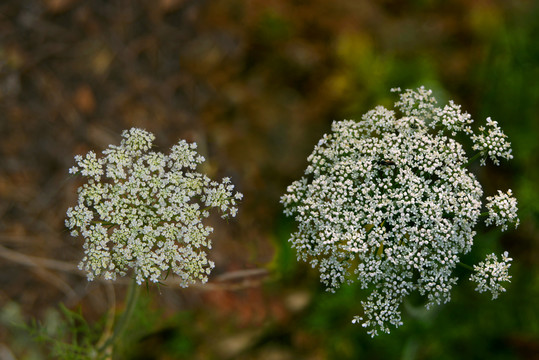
(502, 210)
(389, 203)
(492, 142)
(142, 211)
(490, 273)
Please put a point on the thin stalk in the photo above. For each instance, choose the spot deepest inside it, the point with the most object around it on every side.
(473, 159)
(466, 266)
(131, 301)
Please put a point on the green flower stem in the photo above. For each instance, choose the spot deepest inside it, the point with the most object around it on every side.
(466, 266)
(473, 159)
(131, 301)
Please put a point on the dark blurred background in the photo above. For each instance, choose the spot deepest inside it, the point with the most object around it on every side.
(255, 84)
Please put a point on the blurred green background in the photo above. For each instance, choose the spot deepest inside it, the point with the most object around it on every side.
(255, 84)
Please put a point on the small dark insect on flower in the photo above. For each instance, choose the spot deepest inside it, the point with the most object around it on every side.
(385, 162)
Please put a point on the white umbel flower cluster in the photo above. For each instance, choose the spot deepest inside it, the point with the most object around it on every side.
(388, 202)
(502, 210)
(492, 142)
(142, 211)
(490, 273)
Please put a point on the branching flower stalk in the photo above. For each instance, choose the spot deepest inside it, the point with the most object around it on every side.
(388, 202)
(130, 303)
